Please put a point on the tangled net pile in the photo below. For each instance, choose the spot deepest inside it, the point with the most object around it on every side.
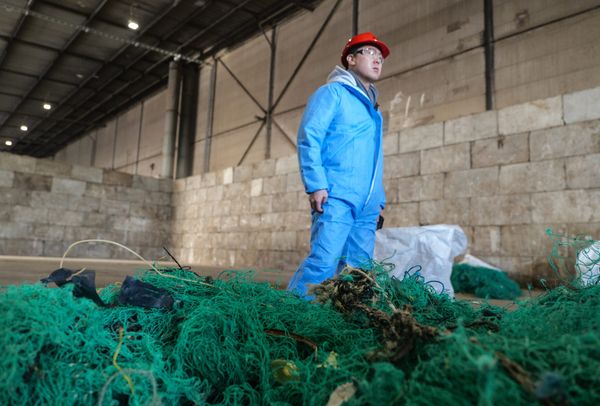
(483, 282)
(368, 339)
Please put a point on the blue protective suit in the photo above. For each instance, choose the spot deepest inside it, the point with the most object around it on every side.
(340, 149)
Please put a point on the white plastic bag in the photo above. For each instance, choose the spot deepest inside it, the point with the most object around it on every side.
(433, 248)
(474, 261)
(588, 264)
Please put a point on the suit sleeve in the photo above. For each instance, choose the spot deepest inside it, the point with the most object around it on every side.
(318, 115)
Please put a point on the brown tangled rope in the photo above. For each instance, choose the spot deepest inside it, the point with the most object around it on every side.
(354, 290)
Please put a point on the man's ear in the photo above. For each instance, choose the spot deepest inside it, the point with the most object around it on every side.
(350, 60)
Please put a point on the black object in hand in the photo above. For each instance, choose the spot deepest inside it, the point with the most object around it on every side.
(379, 222)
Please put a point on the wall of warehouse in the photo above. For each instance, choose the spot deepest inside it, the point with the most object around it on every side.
(505, 176)
(435, 73)
(46, 205)
(131, 143)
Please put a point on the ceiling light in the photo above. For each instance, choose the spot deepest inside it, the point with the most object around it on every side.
(8, 143)
(47, 106)
(24, 127)
(132, 25)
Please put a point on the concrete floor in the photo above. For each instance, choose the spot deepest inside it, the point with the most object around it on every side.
(16, 270)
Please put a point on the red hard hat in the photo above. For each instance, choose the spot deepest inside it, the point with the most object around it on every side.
(365, 38)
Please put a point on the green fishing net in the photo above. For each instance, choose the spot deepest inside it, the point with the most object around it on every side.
(575, 260)
(367, 340)
(483, 282)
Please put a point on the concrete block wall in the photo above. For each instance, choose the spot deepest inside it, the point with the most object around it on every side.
(46, 205)
(254, 215)
(504, 176)
(435, 73)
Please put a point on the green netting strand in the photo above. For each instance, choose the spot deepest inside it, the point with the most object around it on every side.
(233, 341)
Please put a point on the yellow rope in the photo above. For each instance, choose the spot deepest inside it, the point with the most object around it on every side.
(115, 355)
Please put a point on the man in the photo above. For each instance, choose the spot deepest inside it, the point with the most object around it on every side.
(341, 164)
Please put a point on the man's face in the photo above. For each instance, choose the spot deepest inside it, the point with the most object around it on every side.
(367, 62)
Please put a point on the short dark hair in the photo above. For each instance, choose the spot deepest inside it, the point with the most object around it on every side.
(355, 48)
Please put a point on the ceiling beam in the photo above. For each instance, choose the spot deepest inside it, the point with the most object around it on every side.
(138, 58)
(50, 48)
(167, 9)
(30, 75)
(34, 116)
(193, 38)
(62, 133)
(48, 67)
(64, 8)
(15, 32)
(301, 4)
(64, 52)
(269, 16)
(36, 99)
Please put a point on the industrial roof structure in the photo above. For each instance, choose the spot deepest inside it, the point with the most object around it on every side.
(66, 66)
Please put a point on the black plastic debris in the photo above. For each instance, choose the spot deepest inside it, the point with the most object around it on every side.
(61, 276)
(133, 292)
(85, 286)
(85, 283)
(137, 293)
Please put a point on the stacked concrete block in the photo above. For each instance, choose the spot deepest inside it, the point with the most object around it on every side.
(446, 158)
(49, 205)
(500, 150)
(554, 187)
(257, 217)
(421, 138)
(582, 106)
(539, 114)
(504, 176)
(471, 128)
(575, 139)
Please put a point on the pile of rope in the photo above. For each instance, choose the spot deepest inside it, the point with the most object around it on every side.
(367, 339)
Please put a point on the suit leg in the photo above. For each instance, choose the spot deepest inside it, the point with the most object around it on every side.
(329, 232)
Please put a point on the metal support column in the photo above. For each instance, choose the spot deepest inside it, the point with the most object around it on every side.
(187, 122)
(139, 140)
(210, 117)
(270, 107)
(94, 139)
(170, 120)
(488, 41)
(354, 17)
(115, 135)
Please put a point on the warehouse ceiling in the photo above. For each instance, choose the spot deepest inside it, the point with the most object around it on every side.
(66, 66)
